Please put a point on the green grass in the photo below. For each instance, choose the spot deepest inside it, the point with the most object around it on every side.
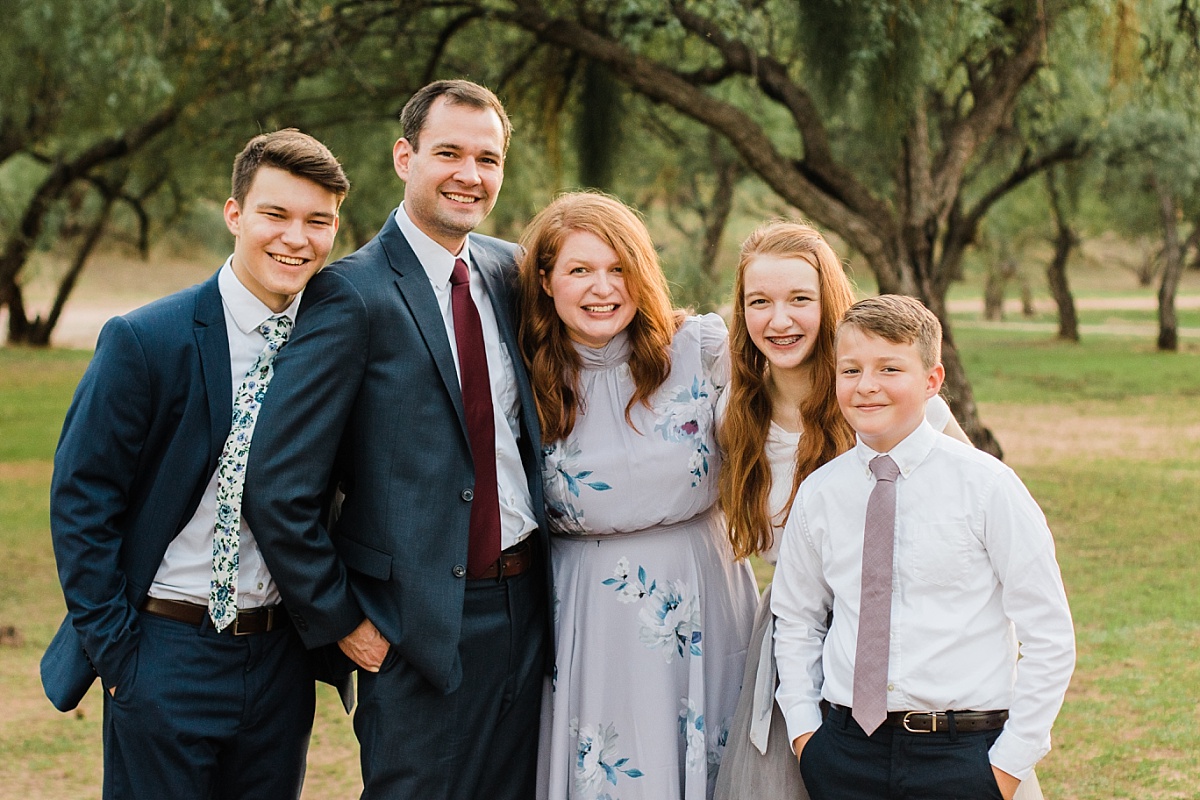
(1010, 367)
(1187, 318)
(1125, 520)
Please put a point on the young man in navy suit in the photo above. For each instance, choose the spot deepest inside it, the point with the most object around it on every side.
(398, 347)
(208, 690)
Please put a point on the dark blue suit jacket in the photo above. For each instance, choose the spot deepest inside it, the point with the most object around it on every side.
(139, 444)
(374, 413)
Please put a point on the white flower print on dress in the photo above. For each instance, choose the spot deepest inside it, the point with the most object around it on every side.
(670, 616)
(562, 479)
(686, 415)
(596, 761)
(691, 726)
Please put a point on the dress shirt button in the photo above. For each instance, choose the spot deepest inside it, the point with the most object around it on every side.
(891, 687)
(260, 585)
(467, 495)
(459, 571)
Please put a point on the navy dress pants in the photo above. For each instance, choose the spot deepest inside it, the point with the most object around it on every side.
(480, 740)
(209, 715)
(840, 762)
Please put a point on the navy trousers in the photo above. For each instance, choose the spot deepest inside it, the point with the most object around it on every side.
(209, 715)
(840, 762)
(479, 741)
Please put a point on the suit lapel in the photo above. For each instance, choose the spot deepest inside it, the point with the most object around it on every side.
(212, 343)
(414, 286)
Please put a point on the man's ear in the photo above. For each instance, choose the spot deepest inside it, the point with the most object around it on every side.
(402, 153)
(233, 217)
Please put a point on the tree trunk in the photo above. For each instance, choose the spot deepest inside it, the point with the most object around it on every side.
(1056, 271)
(37, 333)
(1168, 322)
(998, 278)
(716, 215)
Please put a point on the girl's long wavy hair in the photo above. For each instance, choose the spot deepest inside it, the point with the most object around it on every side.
(745, 479)
(545, 345)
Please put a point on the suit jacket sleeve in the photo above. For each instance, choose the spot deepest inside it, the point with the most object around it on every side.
(95, 467)
(289, 475)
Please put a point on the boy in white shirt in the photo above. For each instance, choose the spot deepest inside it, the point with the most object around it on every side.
(933, 572)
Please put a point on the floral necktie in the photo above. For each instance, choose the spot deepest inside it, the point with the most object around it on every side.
(231, 473)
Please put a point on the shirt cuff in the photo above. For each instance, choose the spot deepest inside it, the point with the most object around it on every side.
(801, 718)
(1014, 755)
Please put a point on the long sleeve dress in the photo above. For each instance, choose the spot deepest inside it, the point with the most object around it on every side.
(651, 611)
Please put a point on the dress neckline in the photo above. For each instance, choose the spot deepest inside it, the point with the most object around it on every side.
(612, 354)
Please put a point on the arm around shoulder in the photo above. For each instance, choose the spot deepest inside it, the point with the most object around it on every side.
(290, 469)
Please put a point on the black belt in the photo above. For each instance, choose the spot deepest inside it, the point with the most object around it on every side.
(939, 721)
(252, 620)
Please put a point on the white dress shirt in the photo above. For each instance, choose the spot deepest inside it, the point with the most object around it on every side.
(186, 569)
(974, 574)
(516, 508)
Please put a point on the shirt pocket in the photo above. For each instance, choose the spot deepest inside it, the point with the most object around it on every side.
(938, 552)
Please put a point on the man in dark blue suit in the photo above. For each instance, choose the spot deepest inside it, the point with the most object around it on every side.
(435, 505)
(208, 689)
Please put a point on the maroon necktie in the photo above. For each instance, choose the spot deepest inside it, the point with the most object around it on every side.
(483, 547)
(875, 606)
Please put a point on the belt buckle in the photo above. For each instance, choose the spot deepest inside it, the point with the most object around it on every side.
(932, 722)
(237, 621)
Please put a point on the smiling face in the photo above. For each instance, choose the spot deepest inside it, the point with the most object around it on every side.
(453, 180)
(283, 231)
(782, 304)
(587, 284)
(882, 386)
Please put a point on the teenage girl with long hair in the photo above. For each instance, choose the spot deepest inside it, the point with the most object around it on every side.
(781, 422)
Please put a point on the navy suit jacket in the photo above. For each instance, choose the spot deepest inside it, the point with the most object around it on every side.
(374, 419)
(140, 442)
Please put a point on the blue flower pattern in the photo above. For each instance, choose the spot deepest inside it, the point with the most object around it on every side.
(596, 763)
(685, 414)
(563, 478)
(670, 614)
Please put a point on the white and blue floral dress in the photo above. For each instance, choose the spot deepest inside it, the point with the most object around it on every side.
(652, 614)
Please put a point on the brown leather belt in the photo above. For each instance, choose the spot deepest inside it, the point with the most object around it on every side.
(253, 620)
(512, 561)
(939, 721)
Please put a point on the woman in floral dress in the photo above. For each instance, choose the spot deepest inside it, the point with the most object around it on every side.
(652, 613)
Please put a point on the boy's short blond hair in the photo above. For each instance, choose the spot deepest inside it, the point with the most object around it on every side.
(901, 320)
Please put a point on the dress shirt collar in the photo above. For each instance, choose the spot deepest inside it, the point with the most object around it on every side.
(437, 260)
(908, 454)
(248, 311)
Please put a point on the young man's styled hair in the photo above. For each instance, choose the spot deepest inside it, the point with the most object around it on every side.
(901, 320)
(456, 92)
(291, 151)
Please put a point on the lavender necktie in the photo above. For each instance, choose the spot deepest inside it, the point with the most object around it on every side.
(875, 604)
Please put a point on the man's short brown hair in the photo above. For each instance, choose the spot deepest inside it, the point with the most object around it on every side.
(900, 320)
(456, 92)
(291, 151)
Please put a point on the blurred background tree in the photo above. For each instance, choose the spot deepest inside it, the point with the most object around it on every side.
(926, 136)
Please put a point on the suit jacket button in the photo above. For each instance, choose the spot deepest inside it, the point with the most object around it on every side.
(459, 571)
(467, 495)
